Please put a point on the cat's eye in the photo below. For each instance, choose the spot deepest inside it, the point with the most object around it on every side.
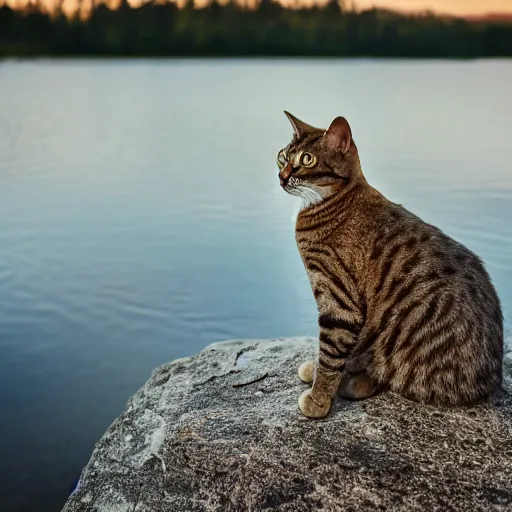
(281, 159)
(306, 159)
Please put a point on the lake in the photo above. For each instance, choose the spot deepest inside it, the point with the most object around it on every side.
(141, 219)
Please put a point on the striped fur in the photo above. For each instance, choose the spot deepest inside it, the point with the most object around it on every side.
(416, 306)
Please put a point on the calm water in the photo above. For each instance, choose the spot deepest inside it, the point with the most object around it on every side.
(141, 219)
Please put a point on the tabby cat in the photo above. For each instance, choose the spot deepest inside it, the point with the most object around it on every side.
(402, 306)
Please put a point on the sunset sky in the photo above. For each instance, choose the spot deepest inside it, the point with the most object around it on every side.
(445, 6)
(455, 7)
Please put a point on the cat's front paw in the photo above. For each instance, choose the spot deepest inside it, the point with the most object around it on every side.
(306, 371)
(314, 408)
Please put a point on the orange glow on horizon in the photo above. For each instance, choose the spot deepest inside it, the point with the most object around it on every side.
(457, 7)
(451, 7)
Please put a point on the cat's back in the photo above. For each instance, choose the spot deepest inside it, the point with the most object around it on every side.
(405, 247)
(433, 314)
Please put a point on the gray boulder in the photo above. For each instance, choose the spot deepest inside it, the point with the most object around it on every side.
(221, 431)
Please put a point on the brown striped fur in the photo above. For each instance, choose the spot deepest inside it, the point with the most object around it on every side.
(402, 306)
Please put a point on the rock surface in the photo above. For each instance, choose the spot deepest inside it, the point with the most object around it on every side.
(221, 431)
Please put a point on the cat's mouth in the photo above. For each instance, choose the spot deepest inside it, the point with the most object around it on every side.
(291, 186)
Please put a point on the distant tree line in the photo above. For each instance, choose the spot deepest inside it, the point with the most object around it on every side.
(267, 29)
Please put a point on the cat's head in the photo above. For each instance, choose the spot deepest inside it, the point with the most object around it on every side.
(317, 163)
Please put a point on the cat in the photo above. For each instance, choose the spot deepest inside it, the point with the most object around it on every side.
(401, 305)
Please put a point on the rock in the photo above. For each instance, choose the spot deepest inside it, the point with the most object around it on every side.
(221, 431)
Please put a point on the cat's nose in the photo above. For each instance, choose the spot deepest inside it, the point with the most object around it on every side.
(285, 174)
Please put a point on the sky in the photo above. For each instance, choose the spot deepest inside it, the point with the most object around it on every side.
(444, 6)
(455, 7)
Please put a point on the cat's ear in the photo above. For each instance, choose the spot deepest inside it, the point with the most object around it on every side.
(300, 127)
(339, 135)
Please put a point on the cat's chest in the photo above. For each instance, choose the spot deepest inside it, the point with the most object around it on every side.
(315, 277)
(315, 260)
